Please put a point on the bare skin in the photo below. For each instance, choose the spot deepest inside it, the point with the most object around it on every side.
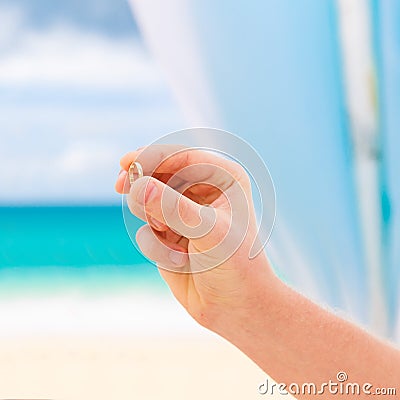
(292, 339)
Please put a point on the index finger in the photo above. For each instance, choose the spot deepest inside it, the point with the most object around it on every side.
(170, 159)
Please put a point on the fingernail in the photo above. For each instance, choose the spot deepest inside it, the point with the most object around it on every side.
(176, 257)
(122, 177)
(156, 224)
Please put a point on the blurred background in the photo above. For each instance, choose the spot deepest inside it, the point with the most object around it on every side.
(314, 86)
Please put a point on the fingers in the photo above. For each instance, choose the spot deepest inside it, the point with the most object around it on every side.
(157, 225)
(164, 253)
(170, 159)
(179, 165)
(148, 196)
(122, 184)
(150, 157)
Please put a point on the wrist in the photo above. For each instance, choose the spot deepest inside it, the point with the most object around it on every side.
(254, 310)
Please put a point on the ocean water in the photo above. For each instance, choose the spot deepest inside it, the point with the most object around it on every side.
(74, 271)
(64, 248)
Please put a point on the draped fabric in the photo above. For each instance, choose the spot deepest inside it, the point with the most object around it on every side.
(387, 22)
(276, 73)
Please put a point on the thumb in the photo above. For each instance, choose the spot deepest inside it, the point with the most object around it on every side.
(149, 196)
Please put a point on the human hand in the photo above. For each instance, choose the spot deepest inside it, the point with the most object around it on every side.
(202, 251)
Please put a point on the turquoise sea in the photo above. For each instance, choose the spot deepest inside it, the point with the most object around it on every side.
(74, 271)
(55, 249)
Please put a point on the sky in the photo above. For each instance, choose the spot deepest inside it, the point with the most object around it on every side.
(78, 89)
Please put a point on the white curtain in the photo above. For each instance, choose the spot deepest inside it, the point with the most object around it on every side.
(271, 72)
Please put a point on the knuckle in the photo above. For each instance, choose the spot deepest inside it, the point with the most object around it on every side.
(242, 175)
(167, 207)
(185, 212)
(239, 173)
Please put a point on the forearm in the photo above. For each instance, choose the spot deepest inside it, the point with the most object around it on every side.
(296, 341)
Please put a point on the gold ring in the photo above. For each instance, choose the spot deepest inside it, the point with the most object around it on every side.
(139, 170)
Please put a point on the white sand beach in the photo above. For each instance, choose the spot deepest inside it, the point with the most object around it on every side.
(121, 346)
(126, 368)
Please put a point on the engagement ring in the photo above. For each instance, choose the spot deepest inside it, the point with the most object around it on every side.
(135, 168)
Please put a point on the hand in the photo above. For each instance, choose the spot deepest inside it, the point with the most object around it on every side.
(202, 251)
